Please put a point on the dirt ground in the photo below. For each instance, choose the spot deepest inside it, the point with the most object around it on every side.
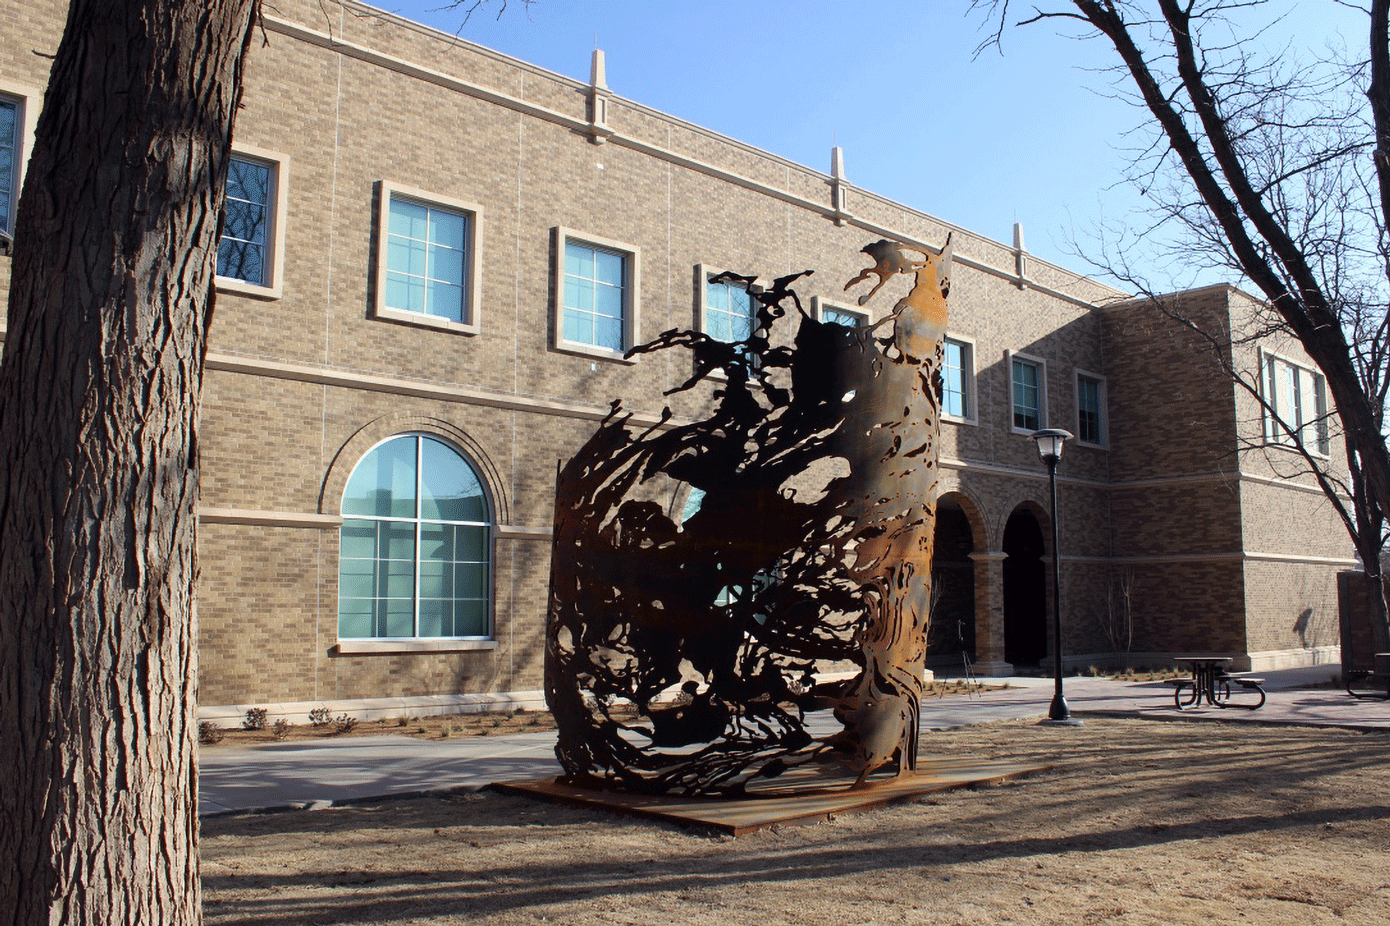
(1137, 822)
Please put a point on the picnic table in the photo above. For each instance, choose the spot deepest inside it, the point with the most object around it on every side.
(1211, 682)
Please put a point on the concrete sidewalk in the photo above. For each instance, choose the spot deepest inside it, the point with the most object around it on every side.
(324, 772)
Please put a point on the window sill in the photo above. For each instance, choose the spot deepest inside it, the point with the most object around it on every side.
(1090, 446)
(242, 288)
(420, 320)
(386, 647)
(953, 419)
(593, 353)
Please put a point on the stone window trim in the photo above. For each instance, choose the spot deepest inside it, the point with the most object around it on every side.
(821, 308)
(1041, 365)
(1102, 398)
(386, 190)
(416, 642)
(968, 377)
(1316, 418)
(279, 165)
(632, 295)
(26, 101)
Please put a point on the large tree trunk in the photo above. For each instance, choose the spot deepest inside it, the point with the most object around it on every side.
(110, 301)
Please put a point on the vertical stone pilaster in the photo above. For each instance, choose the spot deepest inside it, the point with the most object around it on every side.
(989, 613)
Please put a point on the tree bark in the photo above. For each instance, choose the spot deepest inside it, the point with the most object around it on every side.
(110, 300)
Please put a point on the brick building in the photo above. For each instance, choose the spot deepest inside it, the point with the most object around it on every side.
(433, 259)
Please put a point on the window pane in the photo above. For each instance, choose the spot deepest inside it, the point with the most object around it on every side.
(579, 260)
(435, 618)
(449, 488)
(470, 618)
(444, 300)
(608, 268)
(437, 541)
(399, 618)
(408, 219)
(447, 229)
(471, 544)
(436, 580)
(355, 618)
(470, 579)
(396, 540)
(609, 333)
(383, 484)
(358, 540)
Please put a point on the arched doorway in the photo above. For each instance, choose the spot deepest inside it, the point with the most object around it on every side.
(952, 631)
(1025, 590)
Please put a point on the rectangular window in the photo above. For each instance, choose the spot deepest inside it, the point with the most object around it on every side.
(1298, 396)
(843, 317)
(10, 128)
(1026, 384)
(832, 314)
(242, 254)
(428, 269)
(1090, 409)
(597, 285)
(251, 249)
(957, 378)
(426, 260)
(595, 291)
(729, 310)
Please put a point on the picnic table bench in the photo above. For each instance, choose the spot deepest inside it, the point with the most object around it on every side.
(1374, 682)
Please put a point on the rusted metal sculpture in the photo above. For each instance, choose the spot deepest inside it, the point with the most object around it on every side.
(684, 639)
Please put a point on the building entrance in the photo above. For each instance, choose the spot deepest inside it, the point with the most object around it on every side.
(952, 632)
(1025, 590)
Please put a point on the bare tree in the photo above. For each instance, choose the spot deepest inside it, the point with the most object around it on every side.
(110, 300)
(1275, 165)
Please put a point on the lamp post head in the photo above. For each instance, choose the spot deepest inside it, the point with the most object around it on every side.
(1050, 441)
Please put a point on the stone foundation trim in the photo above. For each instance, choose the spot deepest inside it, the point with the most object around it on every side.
(396, 647)
(326, 522)
(1230, 556)
(304, 373)
(1330, 656)
(257, 518)
(232, 715)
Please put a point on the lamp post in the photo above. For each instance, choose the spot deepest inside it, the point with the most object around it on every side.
(1050, 442)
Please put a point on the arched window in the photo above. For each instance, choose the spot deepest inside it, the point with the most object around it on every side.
(414, 556)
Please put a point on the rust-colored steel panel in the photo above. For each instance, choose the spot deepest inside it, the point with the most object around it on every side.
(702, 573)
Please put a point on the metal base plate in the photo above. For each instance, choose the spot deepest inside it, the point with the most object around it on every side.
(799, 796)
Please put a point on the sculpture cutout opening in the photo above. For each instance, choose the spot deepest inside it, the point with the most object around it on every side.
(703, 573)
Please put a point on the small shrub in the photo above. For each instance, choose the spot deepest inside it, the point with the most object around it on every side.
(320, 716)
(281, 729)
(344, 724)
(209, 733)
(255, 719)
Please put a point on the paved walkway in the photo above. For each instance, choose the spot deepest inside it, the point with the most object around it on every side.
(323, 772)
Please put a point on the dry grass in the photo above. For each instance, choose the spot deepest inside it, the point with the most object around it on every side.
(1138, 822)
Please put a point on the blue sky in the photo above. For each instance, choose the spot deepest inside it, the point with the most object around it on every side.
(979, 141)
